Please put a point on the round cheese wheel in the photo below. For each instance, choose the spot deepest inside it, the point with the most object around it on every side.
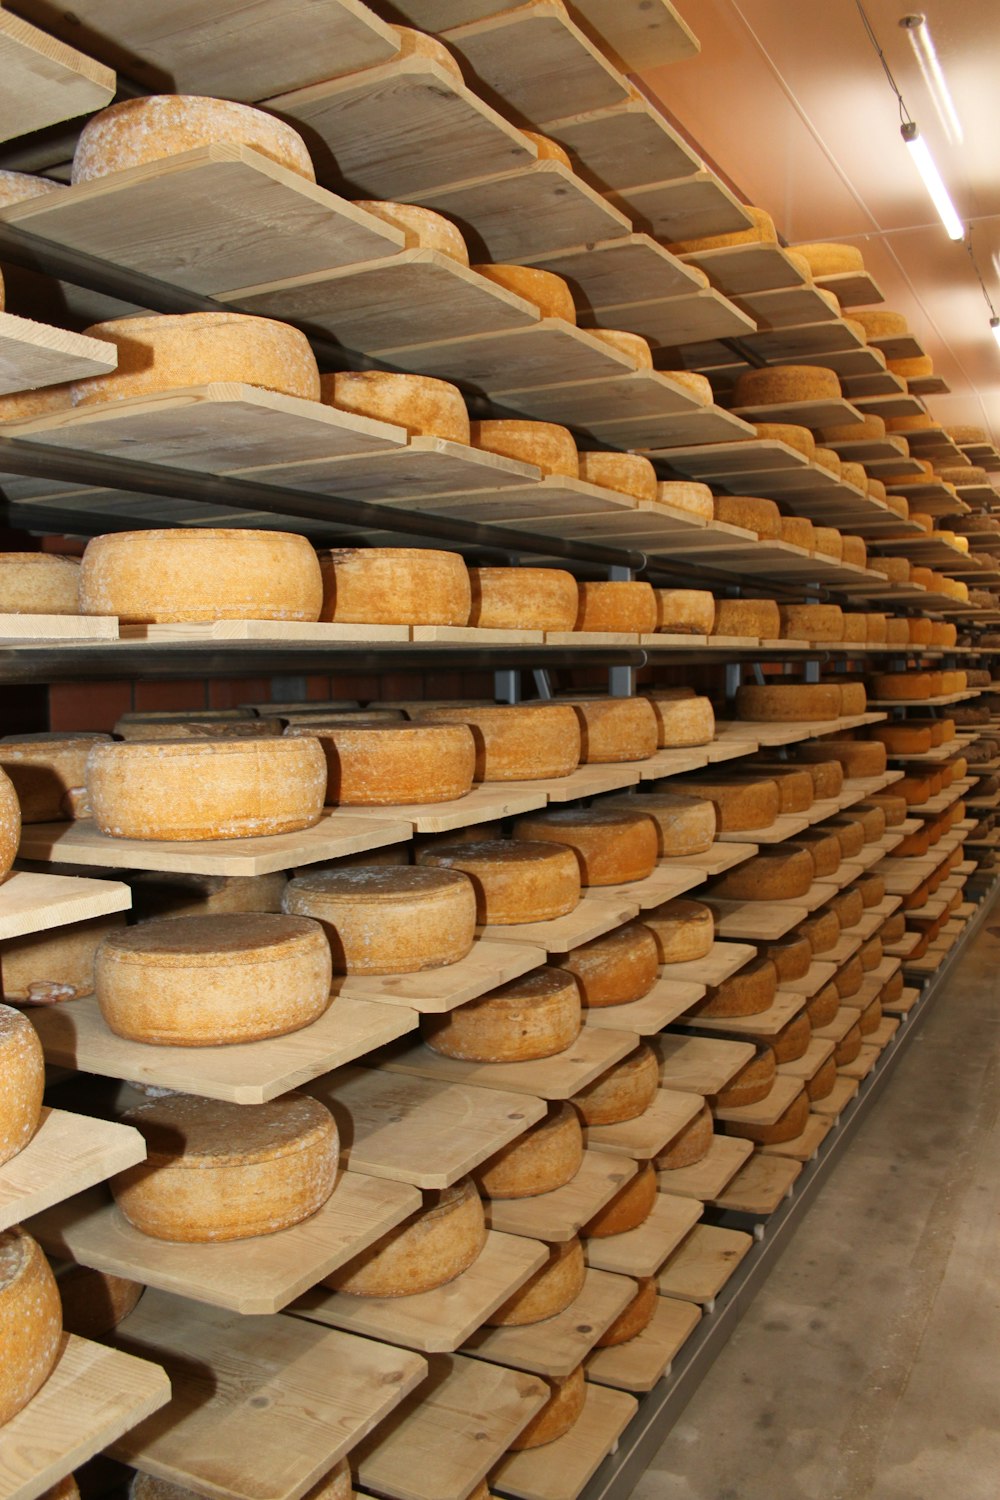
(685, 930)
(388, 919)
(779, 873)
(216, 1171)
(790, 1124)
(753, 617)
(799, 532)
(749, 512)
(822, 1007)
(745, 993)
(628, 473)
(30, 1321)
(849, 908)
(876, 489)
(441, 1242)
(742, 802)
(546, 1157)
(561, 1412)
(799, 438)
(623, 1092)
(683, 719)
(853, 699)
(333, 1486)
(209, 981)
(870, 1017)
(545, 444)
(381, 764)
(422, 227)
(39, 583)
(697, 386)
(637, 1316)
(515, 742)
(684, 495)
(881, 323)
(21, 406)
(871, 954)
(418, 44)
(795, 786)
(549, 293)
(823, 1082)
(632, 345)
(858, 758)
(792, 956)
(616, 729)
(191, 574)
(967, 436)
(159, 125)
(94, 1302)
(856, 627)
(825, 850)
(892, 989)
(537, 1015)
(47, 773)
(16, 187)
(752, 1083)
(54, 965)
(792, 1041)
(828, 259)
(848, 1047)
(829, 460)
(615, 969)
(761, 231)
(828, 542)
(828, 778)
(170, 352)
(690, 1145)
(394, 586)
(630, 1207)
(612, 845)
(629, 607)
(871, 428)
(424, 406)
(513, 880)
(685, 611)
(812, 622)
(793, 703)
(22, 1079)
(778, 384)
(847, 833)
(546, 1293)
(685, 824)
(213, 789)
(523, 599)
(548, 150)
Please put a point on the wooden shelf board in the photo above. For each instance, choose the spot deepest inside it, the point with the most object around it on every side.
(787, 1005)
(902, 1007)
(257, 1381)
(448, 1435)
(834, 412)
(289, 632)
(436, 991)
(46, 81)
(631, 269)
(641, 1252)
(559, 1215)
(75, 1036)
(837, 1100)
(58, 628)
(862, 1064)
(33, 354)
(707, 1178)
(560, 1470)
(851, 288)
(700, 1065)
(558, 1077)
(738, 269)
(715, 861)
(666, 882)
(438, 1321)
(820, 973)
(647, 1134)
(638, 1364)
(93, 1395)
(700, 1267)
(675, 320)
(337, 833)
(590, 781)
(788, 307)
(785, 826)
(667, 1000)
(782, 1094)
(719, 964)
(67, 1154)
(484, 804)
(258, 1275)
(682, 207)
(763, 920)
(555, 1346)
(806, 1067)
(30, 902)
(759, 1187)
(805, 1145)
(594, 916)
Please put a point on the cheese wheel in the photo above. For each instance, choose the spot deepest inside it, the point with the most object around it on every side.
(761, 231)
(745, 993)
(685, 824)
(417, 44)
(822, 1008)
(870, 1017)
(877, 627)
(548, 150)
(825, 850)
(683, 719)
(859, 758)
(47, 773)
(779, 873)
(907, 686)
(829, 460)
(615, 969)
(630, 1207)
(828, 778)
(822, 930)
(546, 1157)
(749, 512)
(967, 436)
(171, 352)
(422, 227)
(742, 801)
(791, 1042)
(513, 881)
(872, 820)
(216, 1171)
(214, 789)
(876, 489)
(424, 406)
(94, 1302)
(180, 895)
(549, 293)
(16, 187)
(333, 1486)
(685, 611)
(394, 586)
(790, 1124)
(21, 406)
(429, 1250)
(388, 919)
(623, 1092)
(192, 574)
(545, 444)
(748, 617)
(686, 496)
(752, 1083)
(828, 259)
(159, 125)
(685, 930)
(871, 428)
(897, 632)
(792, 956)
(892, 989)
(828, 542)
(856, 627)
(849, 834)
(823, 1082)
(626, 607)
(849, 978)
(612, 845)
(537, 1015)
(795, 785)
(853, 699)
(515, 742)
(798, 532)
(523, 599)
(799, 438)
(776, 385)
(55, 965)
(636, 1317)
(632, 345)
(30, 1321)
(616, 729)
(881, 323)
(627, 473)
(849, 908)
(39, 583)
(546, 1293)
(871, 954)
(378, 765)
(793, 703)
(812, 622)
(209, 981)
(22, 1079)
(690, 1145)
(561, 1412)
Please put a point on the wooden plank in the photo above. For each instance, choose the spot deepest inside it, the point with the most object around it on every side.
(58, 628)
(92, 1396)
(667, 1000)
(638, 1364)
(45, 81)
(762, 920)
(699, 1065)
(76, 1036)
(484, 804)
(804, 1146)
(289, 632)
(247, 1276)
(737, 269)
(560, 1470)
(834, 412)
(862, 1065)
(641, 1252)
(786, 1006)
(648, 1134)
(549, 352)
(782, 1094)
(435, 991)
(33, 354)
(666, 882)
(632, 268)
(30, 902)
(337, 833)
(559, 1215)
(719, 964)
(806, 1067)
(707, 1178)
(66, 1154)
(557, 1345)
(704, 314)
(426, 468)
(787, 307)
(851, 288)
(438, 1321)
(759, 1187)
(262, 1407)
(558, 1077)
(623, 145)
(446, 1437)
(699, 1269)
(684, 208)
(592, 918)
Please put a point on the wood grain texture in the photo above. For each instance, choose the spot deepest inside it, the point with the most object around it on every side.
(30, 902)
(33, 354)
(67, 1154)
(45, 82)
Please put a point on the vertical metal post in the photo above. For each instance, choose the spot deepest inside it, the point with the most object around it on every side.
(621, 680)
(507, 685)
(543, 684)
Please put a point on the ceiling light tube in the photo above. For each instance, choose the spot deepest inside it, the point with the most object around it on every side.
(925, 165)
(922, 42)
(995, 328)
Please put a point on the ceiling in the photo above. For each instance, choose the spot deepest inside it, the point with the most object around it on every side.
(791, 104)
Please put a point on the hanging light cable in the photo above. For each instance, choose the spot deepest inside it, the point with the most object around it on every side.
(994, 320)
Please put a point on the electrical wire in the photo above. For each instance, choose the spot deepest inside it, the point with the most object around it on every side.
(904, 114)
(979, 274)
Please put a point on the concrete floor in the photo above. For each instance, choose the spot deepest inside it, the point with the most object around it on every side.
(869, 1364)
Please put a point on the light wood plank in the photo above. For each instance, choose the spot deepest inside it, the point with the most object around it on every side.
(647, 1134)
(557, 1345)
(58, 628)
(699, 1065)
(719, 964)
(30, 902)
(560, 1470)
(760, 1186)
(623, 145)
(707, 1178)
(641, 1252)
(66, 1154)
(45, 82)
(559, 1215)
(667, 1000)
(638, 1364)
(33, 354)
(804, 1146)
(558, 1077)
(684, 208)
(435, 991)
(701, 1266)
(592, 918)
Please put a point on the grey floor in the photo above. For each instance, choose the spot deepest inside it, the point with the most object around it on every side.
(869, 1364)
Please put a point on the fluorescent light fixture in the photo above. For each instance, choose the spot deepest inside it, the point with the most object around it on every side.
(995, 328)
(922, 42)
(925, 165)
